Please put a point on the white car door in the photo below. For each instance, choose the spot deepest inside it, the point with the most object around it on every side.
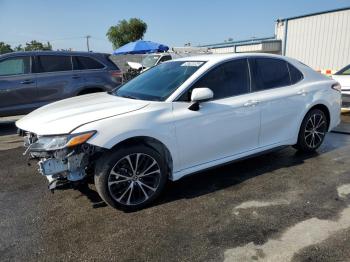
(281, 99)
(223, 127)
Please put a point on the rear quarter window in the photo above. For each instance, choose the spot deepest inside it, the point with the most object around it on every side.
(295, 75)
(83, 63)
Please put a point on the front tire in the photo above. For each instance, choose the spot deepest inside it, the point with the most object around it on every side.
(130, 178)
(312, 131)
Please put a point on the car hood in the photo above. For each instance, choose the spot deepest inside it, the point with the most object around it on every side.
(66, 115)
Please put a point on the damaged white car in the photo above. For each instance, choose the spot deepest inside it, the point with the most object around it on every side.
(178, 118)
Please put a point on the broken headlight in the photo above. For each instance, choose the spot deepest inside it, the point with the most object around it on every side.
(50, 143)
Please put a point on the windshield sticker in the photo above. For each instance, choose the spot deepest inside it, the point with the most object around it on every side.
(192, 63)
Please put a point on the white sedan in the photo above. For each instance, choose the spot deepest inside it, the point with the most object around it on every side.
(343, 77)
(178, 118)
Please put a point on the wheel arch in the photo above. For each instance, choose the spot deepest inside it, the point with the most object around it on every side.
(152, 142)
(324, 109)
(318, 105)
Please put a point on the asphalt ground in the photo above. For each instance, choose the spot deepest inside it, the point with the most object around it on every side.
(282, 206)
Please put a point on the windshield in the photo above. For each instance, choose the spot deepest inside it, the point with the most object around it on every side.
(158, 83)
(150, 60)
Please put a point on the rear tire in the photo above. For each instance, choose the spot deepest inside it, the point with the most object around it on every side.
(130, 178)
(312, 131)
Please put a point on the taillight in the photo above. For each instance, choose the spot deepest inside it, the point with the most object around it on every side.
(336, 87)
(118, 75)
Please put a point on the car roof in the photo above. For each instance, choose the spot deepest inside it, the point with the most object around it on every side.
(33, 53)
(222, 57)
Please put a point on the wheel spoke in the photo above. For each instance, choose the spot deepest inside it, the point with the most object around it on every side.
(110, 183)
(130, 193)
(118, 175)
(312, 140)
(322, 123)
(121, 197)
(319, 121)
(149, 167)
(319, 137)
(137, 162)
(149, 187)
(308, 135)
(143, 190)
(130, 164)
(150, 173)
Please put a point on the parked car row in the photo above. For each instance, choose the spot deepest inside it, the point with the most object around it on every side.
(29, 80)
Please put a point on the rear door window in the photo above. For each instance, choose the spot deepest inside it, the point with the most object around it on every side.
(83, 63)
(53, 63)
(270, 73)
(15, 66)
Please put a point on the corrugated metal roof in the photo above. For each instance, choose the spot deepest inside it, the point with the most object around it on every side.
(241, 42)
(313, 14)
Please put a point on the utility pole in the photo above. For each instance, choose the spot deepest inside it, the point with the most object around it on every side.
(87, 42)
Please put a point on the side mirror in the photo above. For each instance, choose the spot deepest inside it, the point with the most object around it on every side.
(199, 95)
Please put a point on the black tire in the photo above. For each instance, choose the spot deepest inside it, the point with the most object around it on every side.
(312, 131)
(111, 187)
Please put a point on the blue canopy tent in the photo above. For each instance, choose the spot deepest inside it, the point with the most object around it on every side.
(141, 47)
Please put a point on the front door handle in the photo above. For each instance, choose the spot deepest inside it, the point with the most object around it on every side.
(302, 92)
(27, 81)
(251, 103)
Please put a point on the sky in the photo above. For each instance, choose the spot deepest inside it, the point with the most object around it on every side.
(65, 22)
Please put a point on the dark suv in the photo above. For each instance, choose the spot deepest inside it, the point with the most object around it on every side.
(29, 80)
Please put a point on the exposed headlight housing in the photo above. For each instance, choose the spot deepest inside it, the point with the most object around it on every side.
(50, 143)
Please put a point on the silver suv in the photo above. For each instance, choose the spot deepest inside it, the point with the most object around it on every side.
(29, 80)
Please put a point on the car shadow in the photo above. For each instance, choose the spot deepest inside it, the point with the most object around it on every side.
(229, 175)
(217, 178)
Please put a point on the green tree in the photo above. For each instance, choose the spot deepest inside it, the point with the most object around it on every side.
(18, 48)
(35, 46)
(5, 48)
(126, 31)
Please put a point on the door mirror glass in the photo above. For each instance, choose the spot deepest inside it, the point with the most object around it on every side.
(201, 94)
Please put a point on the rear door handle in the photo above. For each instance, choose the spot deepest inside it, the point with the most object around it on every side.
(27, 81)
(302, 92)
(251, 103)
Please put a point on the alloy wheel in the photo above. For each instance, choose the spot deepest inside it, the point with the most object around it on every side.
(134, 179)
(315, 130)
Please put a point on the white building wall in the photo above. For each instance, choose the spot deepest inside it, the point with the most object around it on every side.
(266, 47)
(320, 41)
(223, 50)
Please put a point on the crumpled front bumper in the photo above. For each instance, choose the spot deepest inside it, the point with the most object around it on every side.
(62, 165)
(72, 166)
